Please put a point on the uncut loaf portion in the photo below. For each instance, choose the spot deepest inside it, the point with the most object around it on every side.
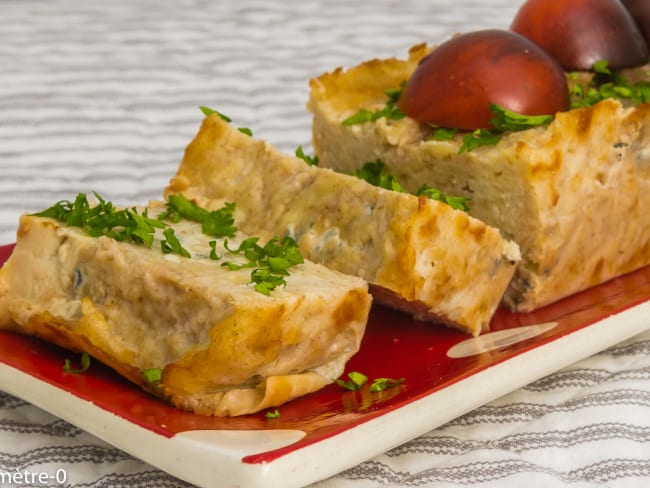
(575, 195)
(419, 255)
(224, 349)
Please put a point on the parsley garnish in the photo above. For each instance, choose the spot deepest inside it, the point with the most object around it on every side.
(390, 111)
(217, 223)
(458, 203)
(125, 225)
(355, 382)
(171, 244)
(310, 160)
(153, 376)
(213, 251)
(85, 364)
(373, 173)
(275, 414)
(504, 120)
(381, 384)
(479, 137)
(607, 84)
(443, 134)
(209, 111)
(270, 262)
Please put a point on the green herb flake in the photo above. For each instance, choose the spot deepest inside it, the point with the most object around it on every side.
(390, 111)
(355, 381)
(171, 244)
(381, 384)
(310, 160)
(477, 138)
(213, 251)
(153, 376)
(270, 262)
(360, 117)
(209, 111)
(455, 202)
(216, 223)
(85, 364)
(608, 84)
(275, 414)
(507, 120)
(220, 222)
(374, 173)
(443, 134)
(125, 225)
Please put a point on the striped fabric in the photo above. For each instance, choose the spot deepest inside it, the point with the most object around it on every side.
(104, 96)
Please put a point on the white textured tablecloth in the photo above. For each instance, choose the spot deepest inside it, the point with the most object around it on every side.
(104, 95)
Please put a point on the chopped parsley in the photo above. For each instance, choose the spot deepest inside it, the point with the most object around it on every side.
(443, 133)
(381, 384)
(374, 173)
(217, 223)
(171, 244)
(209, 111)
(275, 414)
(504, 120)
(507, 120)
(479, 137)
(310, 160)
(85, 364)
(355, 382)
(125, 225)
(607, 84)
(390, 111)
(271, 262)
(455, 202)
(153, 376)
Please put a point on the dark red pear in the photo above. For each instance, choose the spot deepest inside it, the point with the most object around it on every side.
(454, 85)
(578, 33)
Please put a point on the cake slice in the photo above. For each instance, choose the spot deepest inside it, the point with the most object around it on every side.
(187, 329)
(574, 195)
(419, 255)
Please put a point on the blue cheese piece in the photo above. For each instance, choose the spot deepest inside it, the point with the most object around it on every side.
(224, 349)
(574, 195)
(419, 255)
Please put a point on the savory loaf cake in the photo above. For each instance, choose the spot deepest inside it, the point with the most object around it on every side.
(189, 329)
(574, 195)
(419, 255)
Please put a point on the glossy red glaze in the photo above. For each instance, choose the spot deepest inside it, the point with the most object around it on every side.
(455, 84)
(394, 346)
(577, 33)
